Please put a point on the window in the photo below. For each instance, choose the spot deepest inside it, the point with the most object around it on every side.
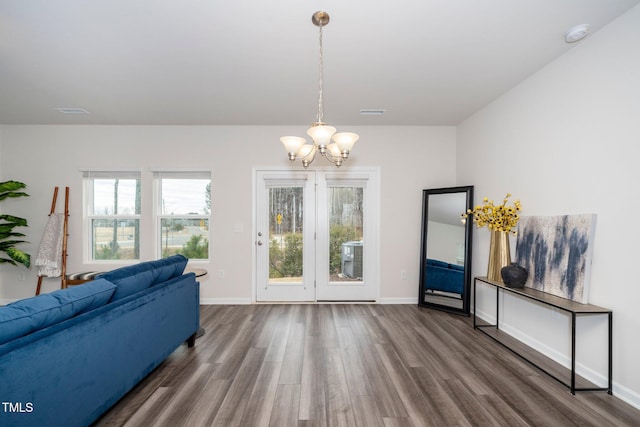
(113, 215)
(184, 207)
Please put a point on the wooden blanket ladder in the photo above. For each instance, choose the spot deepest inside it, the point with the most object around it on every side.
(63, 276)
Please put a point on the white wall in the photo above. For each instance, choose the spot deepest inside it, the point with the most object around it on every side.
(443, 241)
(567, 141)
(410, 159)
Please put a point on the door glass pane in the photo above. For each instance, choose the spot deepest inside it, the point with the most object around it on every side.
(285, 234)
(345, 205)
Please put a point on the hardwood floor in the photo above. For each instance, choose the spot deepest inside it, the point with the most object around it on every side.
(353, 365)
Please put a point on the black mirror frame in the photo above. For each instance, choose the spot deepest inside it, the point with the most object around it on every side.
(466, 297)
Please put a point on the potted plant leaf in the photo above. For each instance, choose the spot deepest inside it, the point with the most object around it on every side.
(8, 241)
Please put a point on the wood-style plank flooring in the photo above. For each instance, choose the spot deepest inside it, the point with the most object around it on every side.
(353, 365)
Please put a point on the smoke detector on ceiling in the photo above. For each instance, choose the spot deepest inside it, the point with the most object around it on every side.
(576, 33)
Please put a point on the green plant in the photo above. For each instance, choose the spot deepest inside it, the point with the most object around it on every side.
(193, 249)
(286, 261)
(10, 189)
(292, 263)
(275, 259)
(109, 251)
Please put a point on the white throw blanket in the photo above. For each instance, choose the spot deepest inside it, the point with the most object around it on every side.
(49, 259)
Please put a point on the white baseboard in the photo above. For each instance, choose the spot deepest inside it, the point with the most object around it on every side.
(203, 301)
(225, 301)
(245, 301)
(629, 396)
(487, 317)
(409, 300)
(623, 393)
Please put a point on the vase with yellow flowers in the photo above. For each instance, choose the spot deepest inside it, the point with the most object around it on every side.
(501, 220)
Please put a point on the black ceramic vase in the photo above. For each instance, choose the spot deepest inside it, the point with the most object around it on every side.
(514, 275)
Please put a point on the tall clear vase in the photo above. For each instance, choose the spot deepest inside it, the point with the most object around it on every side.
(499, 255)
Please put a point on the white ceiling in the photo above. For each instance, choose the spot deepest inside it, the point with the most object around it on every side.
(254, 62)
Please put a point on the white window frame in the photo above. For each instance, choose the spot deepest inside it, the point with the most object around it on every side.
(88, 217)
(159, 216)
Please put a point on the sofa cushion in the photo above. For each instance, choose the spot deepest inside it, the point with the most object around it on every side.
(25, 316)
(129, 280)
(168, 268)
(456, 267)
(135, 278)
(437, 263)
(86, 297)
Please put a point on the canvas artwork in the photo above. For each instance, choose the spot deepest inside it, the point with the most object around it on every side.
(556, 250)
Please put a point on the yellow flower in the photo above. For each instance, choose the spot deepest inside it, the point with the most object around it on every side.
(498, 218)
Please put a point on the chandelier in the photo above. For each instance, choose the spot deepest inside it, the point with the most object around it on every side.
(333, 146)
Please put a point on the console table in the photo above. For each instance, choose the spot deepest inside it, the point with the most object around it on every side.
(543, 363)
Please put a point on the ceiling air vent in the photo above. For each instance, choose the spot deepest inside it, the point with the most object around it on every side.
(72, 110)
(371, 112)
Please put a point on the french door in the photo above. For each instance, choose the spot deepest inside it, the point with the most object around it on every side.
(316, 235)
(285, 223)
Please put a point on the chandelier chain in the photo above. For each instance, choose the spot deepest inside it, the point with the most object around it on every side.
(320, 117)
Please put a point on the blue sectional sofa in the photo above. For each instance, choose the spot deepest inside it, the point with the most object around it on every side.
(68, 356)
(444, 277)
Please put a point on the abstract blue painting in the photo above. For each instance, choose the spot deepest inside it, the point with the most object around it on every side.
(556, 250)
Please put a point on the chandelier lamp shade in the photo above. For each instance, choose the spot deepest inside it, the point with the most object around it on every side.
(333, 146)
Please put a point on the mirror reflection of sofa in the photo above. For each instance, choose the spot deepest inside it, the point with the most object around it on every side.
(443, 277)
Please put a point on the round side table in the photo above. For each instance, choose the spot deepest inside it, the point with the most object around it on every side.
(199, 273)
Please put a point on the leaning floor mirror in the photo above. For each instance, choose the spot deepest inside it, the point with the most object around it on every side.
(445, 261)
